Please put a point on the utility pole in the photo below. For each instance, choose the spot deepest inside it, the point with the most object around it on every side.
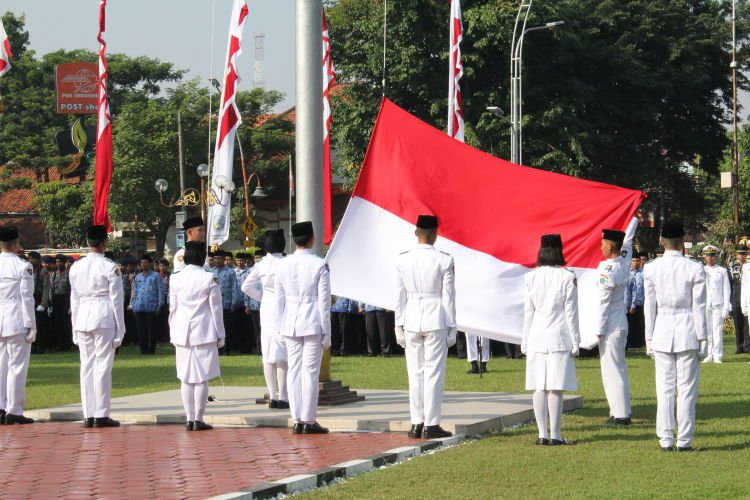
(735, 152)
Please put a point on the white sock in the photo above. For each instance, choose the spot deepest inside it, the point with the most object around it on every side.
(201, 398)
(540, 412)
(281, 369)
(269, 372)
(555, 403)
(186, 391)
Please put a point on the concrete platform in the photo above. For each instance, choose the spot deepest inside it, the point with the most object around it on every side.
(465, 413)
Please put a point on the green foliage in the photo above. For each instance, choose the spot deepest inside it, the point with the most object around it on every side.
(7, 182)
(66, 209)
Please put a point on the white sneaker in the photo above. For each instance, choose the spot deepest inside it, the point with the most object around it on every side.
(708, 359)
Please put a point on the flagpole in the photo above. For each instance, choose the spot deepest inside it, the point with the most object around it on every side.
(385, 39)
(291, 190)
(211, 78)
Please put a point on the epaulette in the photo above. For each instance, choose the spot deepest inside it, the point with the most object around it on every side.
(444, 253)
(406, 251)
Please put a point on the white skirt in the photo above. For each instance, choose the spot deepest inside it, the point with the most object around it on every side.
(554, 371)
(198, 363)
(272, 348)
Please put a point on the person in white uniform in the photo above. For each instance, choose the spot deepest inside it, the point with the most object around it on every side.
(425, 325)
(303, 304)
(196, 329)
(614, 273)
(718, 303)
(550, 337)
(260, 285)
(676, 331)
(17, 327)
(472, 353)
(195, 230)
(98, 318)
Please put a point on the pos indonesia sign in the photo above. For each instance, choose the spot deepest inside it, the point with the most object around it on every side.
(77, 88)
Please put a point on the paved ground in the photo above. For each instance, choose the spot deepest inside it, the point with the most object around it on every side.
(63, 460)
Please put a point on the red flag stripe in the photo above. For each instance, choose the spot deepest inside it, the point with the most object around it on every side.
(103, 169)
(329, 80)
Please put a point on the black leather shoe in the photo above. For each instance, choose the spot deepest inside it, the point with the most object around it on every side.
(297, 428)
(474, 368)
(685, 448)
(106, 422)
(11, 419)
(2, 417)
(610, 421)
(559, 442)
(484, 367)
(201, 426)
(314, 428)
(88, 423)
(273, 403)
(435, 431)
(667, 449)
(542, 441)
(283, 405)
(416, 431)
(189, 425)
(622, 421)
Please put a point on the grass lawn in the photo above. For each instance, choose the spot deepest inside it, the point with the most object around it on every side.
(605, 462)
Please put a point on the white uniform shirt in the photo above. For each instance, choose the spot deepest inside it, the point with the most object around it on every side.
(675, 303)
(717, 288)
(425, 291)
(303, 295)
(16, 296)
(96, 295)
(195, 308)
(264, 272)
(745, 289)
(613, 280)
(550, 321)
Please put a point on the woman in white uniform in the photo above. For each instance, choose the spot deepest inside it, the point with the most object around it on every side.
(259, 285)
(550, 337)
(196, 325)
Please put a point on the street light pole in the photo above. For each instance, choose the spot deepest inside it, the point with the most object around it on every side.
(735, 152)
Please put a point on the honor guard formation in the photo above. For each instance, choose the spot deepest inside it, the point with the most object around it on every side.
(281, 304)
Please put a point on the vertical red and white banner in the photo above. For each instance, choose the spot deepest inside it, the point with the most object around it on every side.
(456, 71)
(229, 120)
(329, 80)
(103, 171)
(5, 53)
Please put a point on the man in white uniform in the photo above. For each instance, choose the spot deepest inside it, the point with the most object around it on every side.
(195, 230)
(425, 325)
(675, 313)
(718, 303)
(96, 306)
(303, 302)
(613, 323)
(472, 353)
(17, 327)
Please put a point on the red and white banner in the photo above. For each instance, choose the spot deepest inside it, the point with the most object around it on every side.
(455, 72)
(229, 120)
(103, 173)
(491, 214)
(5, 53)
(329, 80)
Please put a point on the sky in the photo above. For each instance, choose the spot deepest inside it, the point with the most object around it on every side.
(177, 31)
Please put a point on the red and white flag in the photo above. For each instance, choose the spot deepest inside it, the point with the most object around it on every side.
(229, 120)
(455, 72)
(329, 80)
(5, 53)
(103, 169)
(491, 215)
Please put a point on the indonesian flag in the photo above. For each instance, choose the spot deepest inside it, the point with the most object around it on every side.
(491, 215)
(229, 120)
(329, 80)
(455, 72)
(103, 169)
(5, 53)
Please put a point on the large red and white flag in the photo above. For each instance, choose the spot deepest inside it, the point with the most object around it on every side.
(229, 120)
(329, 80)
(455, 72)
(103, 169)
(491, 215)
(5, 53)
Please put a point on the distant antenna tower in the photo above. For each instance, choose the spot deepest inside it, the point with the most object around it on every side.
(258, 76)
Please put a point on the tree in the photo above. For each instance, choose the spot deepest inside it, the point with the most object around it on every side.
(66, 210)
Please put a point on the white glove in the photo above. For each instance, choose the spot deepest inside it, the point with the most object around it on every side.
(703, 350)
(75, 338)
(221, 342)
(649, 351)
(117, 342)
(326, 341)
(40, 308)
(726, 313)
(30, 336)
(573, 351)
(524, 347)
(49, 312)
(451, 339)
(400, 336)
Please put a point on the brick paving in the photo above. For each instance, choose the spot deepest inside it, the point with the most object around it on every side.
(64, 460)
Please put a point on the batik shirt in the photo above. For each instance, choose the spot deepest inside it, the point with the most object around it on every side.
(148, 292)
(228, 286)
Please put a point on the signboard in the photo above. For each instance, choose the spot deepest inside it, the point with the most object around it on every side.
(76, 85)
(249, 227)
(180, 238)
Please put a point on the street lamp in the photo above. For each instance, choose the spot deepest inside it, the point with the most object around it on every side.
(192, 197)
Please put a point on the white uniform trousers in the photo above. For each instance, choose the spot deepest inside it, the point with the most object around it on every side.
(615, 373)
(715, 337)
(304, 356)
(676, 372)
(472, 353)
(14, 365)
(425, 363)
(97, 356)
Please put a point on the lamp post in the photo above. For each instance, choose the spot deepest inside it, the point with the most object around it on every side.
(191, 197)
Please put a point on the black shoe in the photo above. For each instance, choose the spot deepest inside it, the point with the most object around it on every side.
(106, 422)
(189, 425)
(273, 403)
(484, 367)
(11, 419)
(416, 431)
(559, 442)
(474, 368)
(282, 405)
(542, 441)
(297, 428)
(201, 426)
(435, 431)
(622, 421)
(667, 449)
(2, 417)
(685, 448)
(88, 423)
(314, 428)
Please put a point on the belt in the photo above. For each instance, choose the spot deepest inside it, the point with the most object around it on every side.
(303, 299)
(660, 309)
(425, 295)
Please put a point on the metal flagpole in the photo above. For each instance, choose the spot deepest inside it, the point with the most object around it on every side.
(210, 94)
(385, 38)
(291, 192)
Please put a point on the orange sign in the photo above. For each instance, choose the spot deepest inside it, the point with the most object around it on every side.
(77, 88)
